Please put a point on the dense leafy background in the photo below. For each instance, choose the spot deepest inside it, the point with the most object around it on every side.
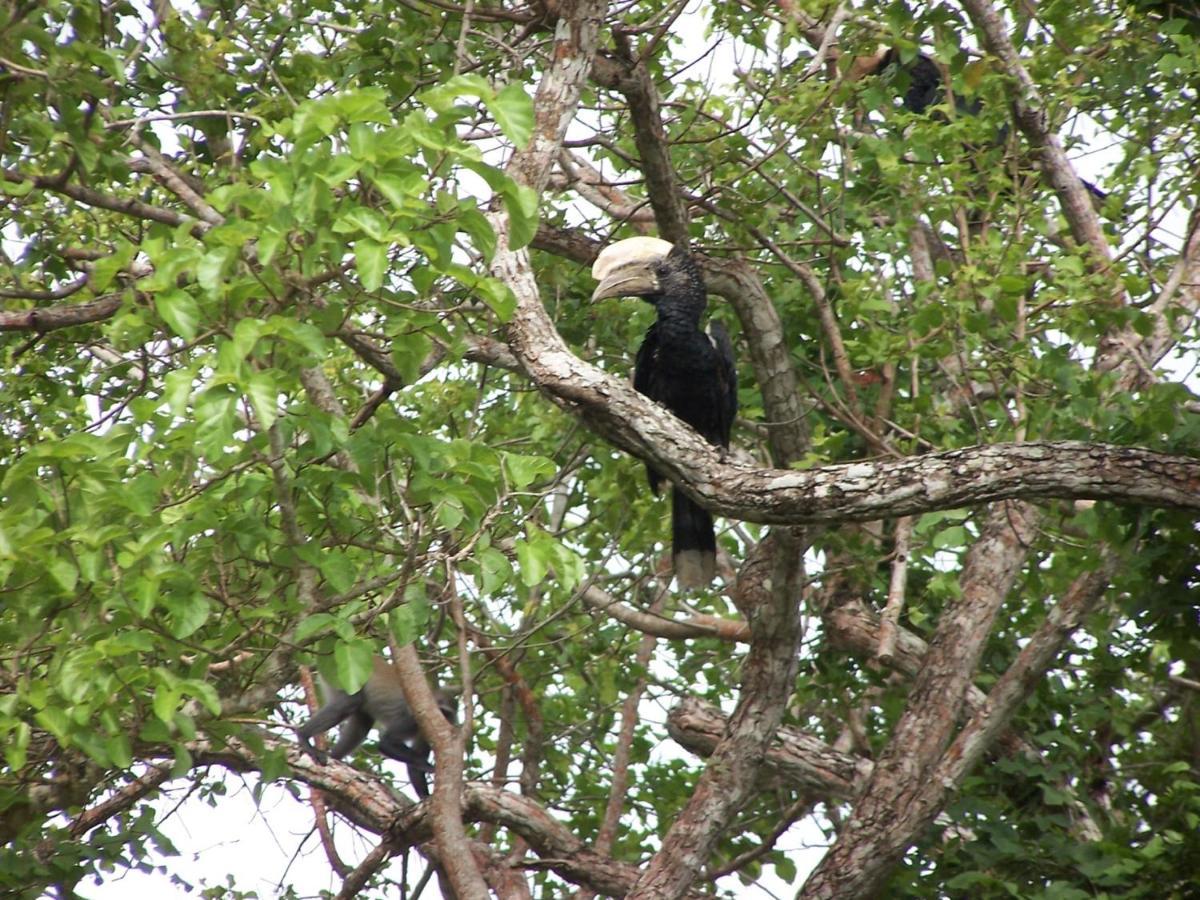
(178, 489)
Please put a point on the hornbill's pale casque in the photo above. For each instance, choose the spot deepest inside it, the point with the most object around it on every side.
(689, 372)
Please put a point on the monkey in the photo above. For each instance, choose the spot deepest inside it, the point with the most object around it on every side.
(921, 80)
(380, 702)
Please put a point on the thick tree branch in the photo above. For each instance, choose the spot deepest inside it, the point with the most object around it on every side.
(768, 593)
(446, 804)
(910, 815)
(1026, 672)
(1034, 122)
(66, 315)
(632, 78)
(793, 755)
(874, 838)
(856, 491)
(770, 355)
(90, 197)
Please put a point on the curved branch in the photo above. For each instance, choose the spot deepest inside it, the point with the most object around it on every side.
(369, 803)
(697, 625)
(793, 755)
(848, 492)
(90, 197)
(65, 315)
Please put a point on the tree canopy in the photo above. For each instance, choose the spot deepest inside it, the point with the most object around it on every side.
(299, 366)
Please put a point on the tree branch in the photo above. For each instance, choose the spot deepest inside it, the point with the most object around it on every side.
(632, 79)
(446, 804)
(854, 491)
(697, 625)
(1034, 122)
(65, 315)
(793, 755)
(768, 593)
(90, 197)
(874, 837)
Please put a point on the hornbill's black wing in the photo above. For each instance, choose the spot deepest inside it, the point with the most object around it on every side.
(728, 397)
(644, 366)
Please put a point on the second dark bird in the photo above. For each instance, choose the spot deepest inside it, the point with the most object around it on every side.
(679, 366)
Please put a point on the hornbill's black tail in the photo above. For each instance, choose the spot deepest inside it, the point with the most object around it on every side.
(693, 543)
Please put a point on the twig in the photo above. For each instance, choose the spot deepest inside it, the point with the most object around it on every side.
(828, 41)
(191, 114)
(895, 598)
(797, 809)
(372, 863)
(464, 28)
(23, 70)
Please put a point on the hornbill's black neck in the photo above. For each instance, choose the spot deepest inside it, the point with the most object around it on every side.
(682, 299)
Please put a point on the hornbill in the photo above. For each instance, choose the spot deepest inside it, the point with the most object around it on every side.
(689, 372)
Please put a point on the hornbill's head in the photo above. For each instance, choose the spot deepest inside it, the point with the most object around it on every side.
(649, 268)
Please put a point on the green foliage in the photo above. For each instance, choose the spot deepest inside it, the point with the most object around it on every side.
(279, 448)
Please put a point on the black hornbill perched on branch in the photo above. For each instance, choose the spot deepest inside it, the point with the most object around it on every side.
(689, 372)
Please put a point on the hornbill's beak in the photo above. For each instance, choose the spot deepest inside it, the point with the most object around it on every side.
(626, 268)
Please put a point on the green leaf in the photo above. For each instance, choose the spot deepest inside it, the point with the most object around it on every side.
(498, 296)
(338, 570)
(179, 311)
(178, 391)
(187, 613)
(245, 335)
(64, 573)
(354, 661)
(522, 205)
(953, 537)
(314, 624)
(119, 750)
(400, 188)
(260, 389)
(105, 269)
(268, 244)
(533, 561)
(512, 109)
(340, 169)
(522, 471)
(362, 219)
(16, 746)
(206, 694)
(405, 622)
(409, 351)
(441, 98)
(165, 702)
(16, 188)
(211, 269)
(474, 223)
(371, 260)
(363, 142)
(216, 416)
